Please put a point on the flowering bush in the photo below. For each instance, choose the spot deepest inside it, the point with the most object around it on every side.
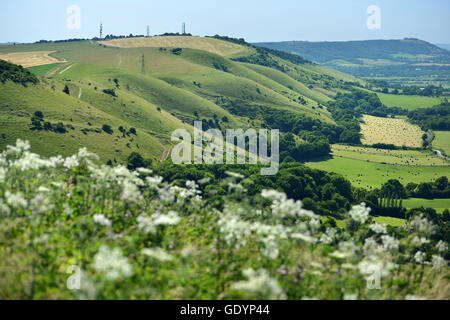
(112, 233)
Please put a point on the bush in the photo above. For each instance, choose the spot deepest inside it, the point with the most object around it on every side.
(110, 92)
(107, 128)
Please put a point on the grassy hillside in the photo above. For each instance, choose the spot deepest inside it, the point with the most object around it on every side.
(174, 88)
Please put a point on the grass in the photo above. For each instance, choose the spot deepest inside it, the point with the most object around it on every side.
(442, 141)
(369, 167)
(395, 157)
(40, 71)
(437, 204)
(408, 102)
(17, 104)
(395, 222)
(398, 132)
(372, 175)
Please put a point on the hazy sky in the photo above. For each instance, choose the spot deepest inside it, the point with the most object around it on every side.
(254, 20)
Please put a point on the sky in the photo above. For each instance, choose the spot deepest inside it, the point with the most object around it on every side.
(254, 20)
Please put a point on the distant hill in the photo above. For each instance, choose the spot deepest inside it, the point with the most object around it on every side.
(409, 59)
(445, 46)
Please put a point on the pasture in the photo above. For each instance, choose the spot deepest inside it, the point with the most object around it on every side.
(42, 70)
(369, 175)
(394, 157)
(398, 132)
(437, 204)
(408, 102)
(442, 141)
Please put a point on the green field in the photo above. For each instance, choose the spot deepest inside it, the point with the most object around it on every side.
(438, 204)
(395, 157)
(370, 167)
(442, 141)
(40, 71)
(408, 102)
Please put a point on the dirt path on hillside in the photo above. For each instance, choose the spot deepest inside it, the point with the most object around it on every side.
(164, 154)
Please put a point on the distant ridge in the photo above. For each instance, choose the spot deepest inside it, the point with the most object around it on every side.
(408, 58)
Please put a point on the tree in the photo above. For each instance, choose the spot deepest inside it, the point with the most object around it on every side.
(66, 90)
(135, 161)
(441, 183)
(424, 190)
(107, 128)
(39, 114)
(393, 187)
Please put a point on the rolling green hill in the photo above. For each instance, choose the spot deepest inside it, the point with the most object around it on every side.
(404, 60)
(182, 79)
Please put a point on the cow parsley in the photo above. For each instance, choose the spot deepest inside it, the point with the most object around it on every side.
(111, 263)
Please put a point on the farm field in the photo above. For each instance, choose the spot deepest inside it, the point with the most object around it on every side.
(372, 175)
(396, 157)
(30, 59)
(408, 102)
(210, 45)
(442, 141)
(390, 131)
(438, 204)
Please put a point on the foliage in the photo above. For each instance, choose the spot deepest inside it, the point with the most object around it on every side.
(134, 235)
(15, 73)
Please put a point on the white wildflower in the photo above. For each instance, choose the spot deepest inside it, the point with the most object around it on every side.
(144, 171)
(153, 182)
(419, 257)
(71, 162)
(378, 228)
(419, 241)
(4, 209)
(68, 210)
(158, 254)
(347, 249)
(146, 224)
(421, 224)
(360, 213)
(15, 200)
(414, 297)
(329, 236)
(56, 161)
(390, 243)
(2, 174)
(168, 219)
(438, 262)
(166, 194)
(102, 220)
(261, 284)
(40, 204)
(112, 263)
(371, 247)
(235, 175)
(130, 192)
(442, 246)
(304, 237)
